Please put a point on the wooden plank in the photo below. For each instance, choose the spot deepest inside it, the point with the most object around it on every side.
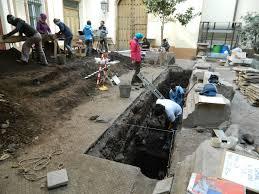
(12, 39)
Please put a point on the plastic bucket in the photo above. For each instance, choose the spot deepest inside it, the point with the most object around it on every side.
(125, 91)
(216, 48)
(61, 59)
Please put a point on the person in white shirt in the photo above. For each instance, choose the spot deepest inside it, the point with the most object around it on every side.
(172, 109)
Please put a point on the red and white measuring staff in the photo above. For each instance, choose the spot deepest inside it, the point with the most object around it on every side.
(104, 61)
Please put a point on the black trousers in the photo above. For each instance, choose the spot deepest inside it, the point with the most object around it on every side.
(135, 78)
(103, 43)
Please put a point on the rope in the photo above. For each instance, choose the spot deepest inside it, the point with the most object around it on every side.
(152, 128)
(29, 167)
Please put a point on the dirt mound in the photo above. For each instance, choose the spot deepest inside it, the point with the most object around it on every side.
(36, 98)
(17, 124)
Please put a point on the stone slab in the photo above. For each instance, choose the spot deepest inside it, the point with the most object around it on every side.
(57, 179)
(163, 186)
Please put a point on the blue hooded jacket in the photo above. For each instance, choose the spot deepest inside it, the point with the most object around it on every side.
(88, 32)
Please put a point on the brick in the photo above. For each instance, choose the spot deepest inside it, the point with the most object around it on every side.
(163, 186)
(57, 178)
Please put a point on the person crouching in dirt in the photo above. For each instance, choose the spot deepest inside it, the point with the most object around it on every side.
(172, 110)
(176, 94)
(135, 55)
(64, 30)
(33, 38)
(173, 116)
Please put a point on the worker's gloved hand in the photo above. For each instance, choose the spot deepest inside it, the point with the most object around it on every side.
(4, 37)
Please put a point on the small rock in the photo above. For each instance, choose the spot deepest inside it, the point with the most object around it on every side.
(3, 131)
(5, 125)
(36, 138)
(92, 118)
(248, 139)
(6, 177)
(119, 157)
(102, 120)
(11, 148)
(199, 129)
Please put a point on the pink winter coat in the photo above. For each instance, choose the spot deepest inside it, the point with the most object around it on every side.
(135, 50)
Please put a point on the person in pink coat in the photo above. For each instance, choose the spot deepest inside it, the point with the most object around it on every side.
(135, 55)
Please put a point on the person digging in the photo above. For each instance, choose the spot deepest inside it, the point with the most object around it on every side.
(33, 38)
(173, 115)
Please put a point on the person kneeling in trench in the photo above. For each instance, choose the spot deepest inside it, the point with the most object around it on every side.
(173, 116)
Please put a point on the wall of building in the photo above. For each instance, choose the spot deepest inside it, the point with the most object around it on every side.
(223, 11)
(218, 11)
(91, 10)
(245, 6)
(54, 9)
(182, 38)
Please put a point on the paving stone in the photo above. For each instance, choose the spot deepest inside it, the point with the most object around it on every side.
(163, 186)
(57, 178)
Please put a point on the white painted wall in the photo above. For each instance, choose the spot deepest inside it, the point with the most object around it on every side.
(177, 35)
(4, 11)
(91, 10)
(55, 10)
(218, 10)
(246, 6)
(223, 10)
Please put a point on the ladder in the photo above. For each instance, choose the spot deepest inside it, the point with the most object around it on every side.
(150, 86)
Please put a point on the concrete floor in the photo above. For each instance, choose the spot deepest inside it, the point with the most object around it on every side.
(86, 174)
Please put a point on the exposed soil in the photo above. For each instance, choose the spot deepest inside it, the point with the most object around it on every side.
(144, 147)
(33, 97)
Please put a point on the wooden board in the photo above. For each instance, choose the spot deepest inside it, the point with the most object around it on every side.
(12, 39)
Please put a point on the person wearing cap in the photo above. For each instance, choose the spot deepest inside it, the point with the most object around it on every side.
(33, 38)
(42, 26)
(88, 32)
(65, 30)
(135, 55)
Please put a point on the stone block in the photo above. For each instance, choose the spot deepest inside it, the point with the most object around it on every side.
(57, 178)
(163, 186)
(208, 112)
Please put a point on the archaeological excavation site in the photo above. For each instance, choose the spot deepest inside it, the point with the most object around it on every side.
(129, 97)
(138, 137)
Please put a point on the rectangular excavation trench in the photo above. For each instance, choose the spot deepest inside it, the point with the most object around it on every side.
(137, 137)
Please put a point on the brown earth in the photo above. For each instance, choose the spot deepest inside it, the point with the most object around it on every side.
(33, 98)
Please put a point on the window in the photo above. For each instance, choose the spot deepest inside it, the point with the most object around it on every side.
(35, 9)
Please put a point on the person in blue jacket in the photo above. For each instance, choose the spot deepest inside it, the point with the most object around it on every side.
(88, 32)
(64, 30)
(176, 94)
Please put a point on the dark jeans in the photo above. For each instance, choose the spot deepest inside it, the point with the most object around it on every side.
(67, 44)
(103, 43)
(89, 47)
(135, 78)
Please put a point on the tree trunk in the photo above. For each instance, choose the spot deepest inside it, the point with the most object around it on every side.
(162, 29)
